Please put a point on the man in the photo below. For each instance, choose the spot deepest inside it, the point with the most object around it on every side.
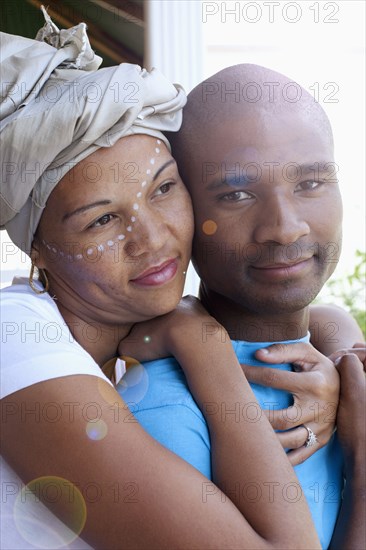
(256, 153)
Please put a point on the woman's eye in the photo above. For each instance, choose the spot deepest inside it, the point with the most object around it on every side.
(236, 196)
(165, 188)
(307, 185)
(102, 221)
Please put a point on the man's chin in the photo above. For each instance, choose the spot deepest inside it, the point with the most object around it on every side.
(281, 303)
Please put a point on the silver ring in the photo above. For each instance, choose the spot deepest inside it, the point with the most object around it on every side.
(311, 439)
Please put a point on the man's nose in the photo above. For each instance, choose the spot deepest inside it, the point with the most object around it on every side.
(282, 220)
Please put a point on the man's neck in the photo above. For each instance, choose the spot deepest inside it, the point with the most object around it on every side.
(251, 326)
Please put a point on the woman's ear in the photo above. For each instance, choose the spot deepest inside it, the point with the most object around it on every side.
(36, 255)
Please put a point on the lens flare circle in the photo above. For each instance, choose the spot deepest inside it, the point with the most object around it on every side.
(134, 384)
(37, 524)
(96, 430)
(209, 227)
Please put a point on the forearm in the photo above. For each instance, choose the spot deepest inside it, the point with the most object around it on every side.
(332, 328)
(350, 531)
(249, 464)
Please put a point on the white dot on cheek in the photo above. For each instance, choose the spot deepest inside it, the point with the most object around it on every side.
(129, 228)
(157, 150)
(121, 237)
(158, 141)
(139, 194)
(148, 171)
(78, 256)
(100, 247)
(89, 251)
(143, 184)
(135, 206)
(110, 243)
(133, 219)
(152, 161)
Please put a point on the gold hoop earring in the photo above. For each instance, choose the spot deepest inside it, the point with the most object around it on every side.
(44, 280)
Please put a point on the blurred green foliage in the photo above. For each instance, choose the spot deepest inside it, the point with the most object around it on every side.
(349, 291)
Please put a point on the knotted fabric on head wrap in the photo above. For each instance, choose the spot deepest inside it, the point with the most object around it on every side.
(57, 109)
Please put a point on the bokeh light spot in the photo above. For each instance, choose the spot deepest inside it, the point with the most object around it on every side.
(209, 227)
(134, 384)
(96, 430)
(35, 521)
(147, 339)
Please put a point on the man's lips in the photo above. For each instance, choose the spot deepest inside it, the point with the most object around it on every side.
(277, 271)
(157, 275)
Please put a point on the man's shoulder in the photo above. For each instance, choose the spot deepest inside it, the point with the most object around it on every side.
(158, 383)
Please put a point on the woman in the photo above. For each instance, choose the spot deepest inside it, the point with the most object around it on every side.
(108, 223)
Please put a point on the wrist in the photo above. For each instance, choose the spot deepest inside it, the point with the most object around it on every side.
(355, 463)
(202, 331)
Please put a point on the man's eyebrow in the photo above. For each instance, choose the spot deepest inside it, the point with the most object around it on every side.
(316, 167)
(232, 180)
(171, 161)
(83, 209)
(229, 181)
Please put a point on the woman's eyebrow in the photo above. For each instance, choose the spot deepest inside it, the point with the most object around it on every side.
(171, 161)
(85, 208)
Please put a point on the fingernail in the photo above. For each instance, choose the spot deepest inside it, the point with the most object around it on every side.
(264, 350)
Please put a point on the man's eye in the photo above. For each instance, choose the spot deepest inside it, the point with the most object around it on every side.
(102, 221)
(308, 185)
(236, 196)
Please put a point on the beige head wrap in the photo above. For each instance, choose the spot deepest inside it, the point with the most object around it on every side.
(57, 109)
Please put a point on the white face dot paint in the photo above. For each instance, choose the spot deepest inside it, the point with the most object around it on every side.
(121, 237)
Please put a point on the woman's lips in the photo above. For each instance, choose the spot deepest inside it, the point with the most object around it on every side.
(277, 272)
(158, 275)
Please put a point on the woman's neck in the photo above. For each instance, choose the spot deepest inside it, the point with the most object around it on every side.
(99, 340)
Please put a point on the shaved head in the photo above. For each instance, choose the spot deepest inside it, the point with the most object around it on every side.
(241, 92)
